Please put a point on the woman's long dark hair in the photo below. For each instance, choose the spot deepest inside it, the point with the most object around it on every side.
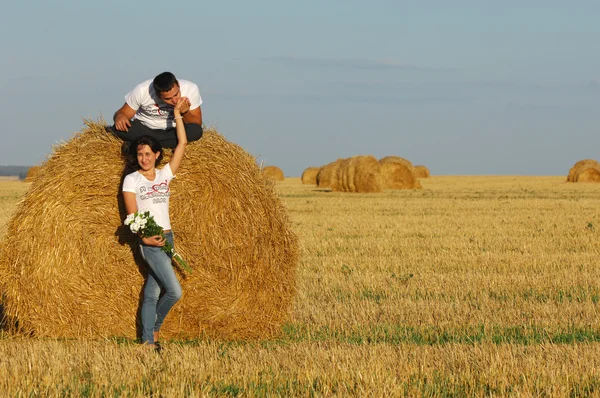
(132, 162)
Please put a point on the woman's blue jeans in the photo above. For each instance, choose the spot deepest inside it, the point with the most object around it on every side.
(161, 276)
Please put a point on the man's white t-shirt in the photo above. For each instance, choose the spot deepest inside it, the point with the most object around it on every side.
(152, 111)
(152, 196)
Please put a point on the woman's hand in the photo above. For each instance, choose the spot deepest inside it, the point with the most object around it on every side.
(182, 106)
(156, 240)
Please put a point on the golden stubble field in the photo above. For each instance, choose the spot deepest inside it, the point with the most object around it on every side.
(476, 286)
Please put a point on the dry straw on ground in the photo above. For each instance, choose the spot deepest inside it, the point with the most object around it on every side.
(587, 170)
(358, 174)
(67, 265)
(31, 173)
(309, 175)
(272, 173)
(422, 172)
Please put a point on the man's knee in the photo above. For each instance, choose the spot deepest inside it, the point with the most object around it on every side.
(117, 133)
(193, 131)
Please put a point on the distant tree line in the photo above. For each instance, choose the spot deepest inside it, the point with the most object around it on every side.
(20, 171)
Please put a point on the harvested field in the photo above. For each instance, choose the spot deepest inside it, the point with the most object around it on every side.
(472, 286)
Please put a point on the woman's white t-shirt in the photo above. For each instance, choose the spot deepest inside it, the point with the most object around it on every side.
(152, 196)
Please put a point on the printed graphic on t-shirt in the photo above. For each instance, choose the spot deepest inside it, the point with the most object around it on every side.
(161, 111)
(159, 193)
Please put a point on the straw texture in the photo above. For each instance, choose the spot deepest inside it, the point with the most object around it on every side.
(273, 173)
(358, 174)
(309, 175)
(422, 171)
(587, 170)
(68, 268)
(399, 176)
(327, 174)
(32, 172)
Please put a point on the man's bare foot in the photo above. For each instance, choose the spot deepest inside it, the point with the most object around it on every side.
(156, 336)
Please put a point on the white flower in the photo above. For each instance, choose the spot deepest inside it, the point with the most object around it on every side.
(129, 218)
(135, 227)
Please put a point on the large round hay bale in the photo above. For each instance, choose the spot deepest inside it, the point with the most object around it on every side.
(32, 172)
(309, 175)
(422, 171)
(399, 176)
(588, 174)
(327, 174)
(340, 180)
(395, 159)
(67, 266)
(358, 174)
(584, 171)
(272, 173)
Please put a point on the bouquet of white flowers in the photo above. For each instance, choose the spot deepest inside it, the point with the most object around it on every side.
(144, 225)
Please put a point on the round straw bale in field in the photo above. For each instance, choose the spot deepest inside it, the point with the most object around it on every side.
(272, 173)
(586, 168)
(589, 174)
(340, 179)
(395, 159)
(358, 174)
(327, 173)
(399, 176)
(31, 173)
(422, 171)
(69, 268)
(309, 175)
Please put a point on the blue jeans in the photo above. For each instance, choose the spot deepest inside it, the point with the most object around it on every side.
(160, 276)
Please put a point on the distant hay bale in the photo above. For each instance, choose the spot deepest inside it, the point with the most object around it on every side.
(273, 173)
(399, 176)
(31, 173)
(587, 170)
(358, 174)
(589, 174)
(309, 175)
(327, 173)
(67, 266)
(395, 159)
(421, 171)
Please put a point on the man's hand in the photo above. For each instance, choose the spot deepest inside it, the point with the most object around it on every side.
(122, 122)
(156, 240)
(122, 117)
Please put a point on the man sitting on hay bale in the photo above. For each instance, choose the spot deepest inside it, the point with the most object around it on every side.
(150, 104)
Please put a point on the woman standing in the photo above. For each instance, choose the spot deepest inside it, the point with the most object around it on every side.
(147, 189)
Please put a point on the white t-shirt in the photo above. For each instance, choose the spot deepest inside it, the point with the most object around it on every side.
(152, 111)
(152, 196)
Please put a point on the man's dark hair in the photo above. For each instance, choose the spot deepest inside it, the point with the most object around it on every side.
(164, 82)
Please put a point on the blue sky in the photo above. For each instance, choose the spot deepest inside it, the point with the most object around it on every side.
(463, 87)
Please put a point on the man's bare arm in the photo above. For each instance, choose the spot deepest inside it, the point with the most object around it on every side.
(193, 116)
(122, 117)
